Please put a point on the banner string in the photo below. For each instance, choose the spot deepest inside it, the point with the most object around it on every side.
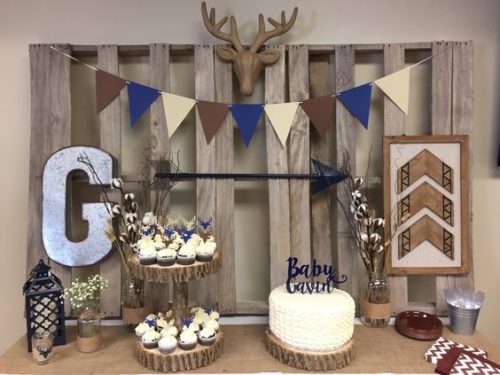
(332, 95)
(74, 58)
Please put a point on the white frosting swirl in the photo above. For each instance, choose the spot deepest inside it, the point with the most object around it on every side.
(188, 337)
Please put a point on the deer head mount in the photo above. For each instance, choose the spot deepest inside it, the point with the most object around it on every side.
(247, 62)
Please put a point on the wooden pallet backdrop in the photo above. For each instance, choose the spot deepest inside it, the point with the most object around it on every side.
(308, 226)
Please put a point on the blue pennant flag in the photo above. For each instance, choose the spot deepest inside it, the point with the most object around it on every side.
(140, 98)
(247, 116)
(357, 101)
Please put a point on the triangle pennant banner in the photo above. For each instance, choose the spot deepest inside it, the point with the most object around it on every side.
(319, 111)
(107, 86)
(140, 98)
(357, 101)
(176, 109)
(247, 116)
(281, 117)
(211, 116)
(397, 87)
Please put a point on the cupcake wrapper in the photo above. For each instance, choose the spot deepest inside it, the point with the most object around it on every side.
(150, 345)
(147, 261)
(185, 346)
(185, 261)
(166, 262)
(204, 258)
(206, 342)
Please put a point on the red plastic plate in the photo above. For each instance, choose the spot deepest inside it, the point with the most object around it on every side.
(419, 325)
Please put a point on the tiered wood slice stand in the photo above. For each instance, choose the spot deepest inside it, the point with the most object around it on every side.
(311, 361)
(179, 360)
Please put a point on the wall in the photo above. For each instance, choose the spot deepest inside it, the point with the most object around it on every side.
(321, 21)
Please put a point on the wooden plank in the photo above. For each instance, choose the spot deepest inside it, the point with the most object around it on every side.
(206, 290)
(348, 262)
(322, 215)
(224, 214)
(81, 50)
(299, 159)
(441, 87)
(50, 131)
(159, 64)
(277, 162)
(462, 101)
(110, 141)
(394, 124)
(40, 105)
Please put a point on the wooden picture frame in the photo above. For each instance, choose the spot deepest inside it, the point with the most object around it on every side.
(426, 204)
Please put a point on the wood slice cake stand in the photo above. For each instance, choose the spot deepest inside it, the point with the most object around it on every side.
(179, 275)
(311, 361)
(180, 360)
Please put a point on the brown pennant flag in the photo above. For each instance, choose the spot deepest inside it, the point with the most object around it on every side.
(107, 86)
(319, 111)
(211, 115)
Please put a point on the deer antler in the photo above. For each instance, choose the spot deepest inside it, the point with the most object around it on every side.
(279, 29)
(215, 27)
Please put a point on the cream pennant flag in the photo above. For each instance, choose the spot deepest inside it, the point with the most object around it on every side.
(281, 116)
(176, 109)
(397, 87)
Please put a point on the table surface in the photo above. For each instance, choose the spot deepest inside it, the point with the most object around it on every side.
(377, 350)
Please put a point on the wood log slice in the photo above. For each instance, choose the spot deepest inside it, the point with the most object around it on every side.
(310, 361)
(176, 273)
(180, 360)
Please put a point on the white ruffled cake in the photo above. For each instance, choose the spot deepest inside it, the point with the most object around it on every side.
(318, 322)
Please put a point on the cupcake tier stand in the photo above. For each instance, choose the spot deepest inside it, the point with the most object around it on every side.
(179, 275)
(310, 361)
(180, 360)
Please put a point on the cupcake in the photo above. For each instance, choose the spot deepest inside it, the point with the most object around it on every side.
(159, 244)
(194, 310)
(186, 255)
(173, 246)
(141, 329)
(192, 326)
(212, 324)
(162, 324)
(166, 257)
(169, 331)
(150, 339)
(167, 344)
(214, 315)
(205, 252)
(187, 340)
(194, 241)
(206, 337)
(147, 256)
(151, 319)
(201, 316)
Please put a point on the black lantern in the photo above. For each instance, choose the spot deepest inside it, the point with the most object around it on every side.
(44, 304)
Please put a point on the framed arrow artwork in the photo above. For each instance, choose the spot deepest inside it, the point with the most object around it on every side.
(426, 204)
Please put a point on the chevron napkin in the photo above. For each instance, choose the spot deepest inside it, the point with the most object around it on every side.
(466, 365)
(439, 349)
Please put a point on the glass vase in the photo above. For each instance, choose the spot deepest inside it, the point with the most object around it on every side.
(375, 305)
(133, 311)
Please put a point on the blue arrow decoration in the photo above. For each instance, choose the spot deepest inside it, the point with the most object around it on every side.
(324, 178)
